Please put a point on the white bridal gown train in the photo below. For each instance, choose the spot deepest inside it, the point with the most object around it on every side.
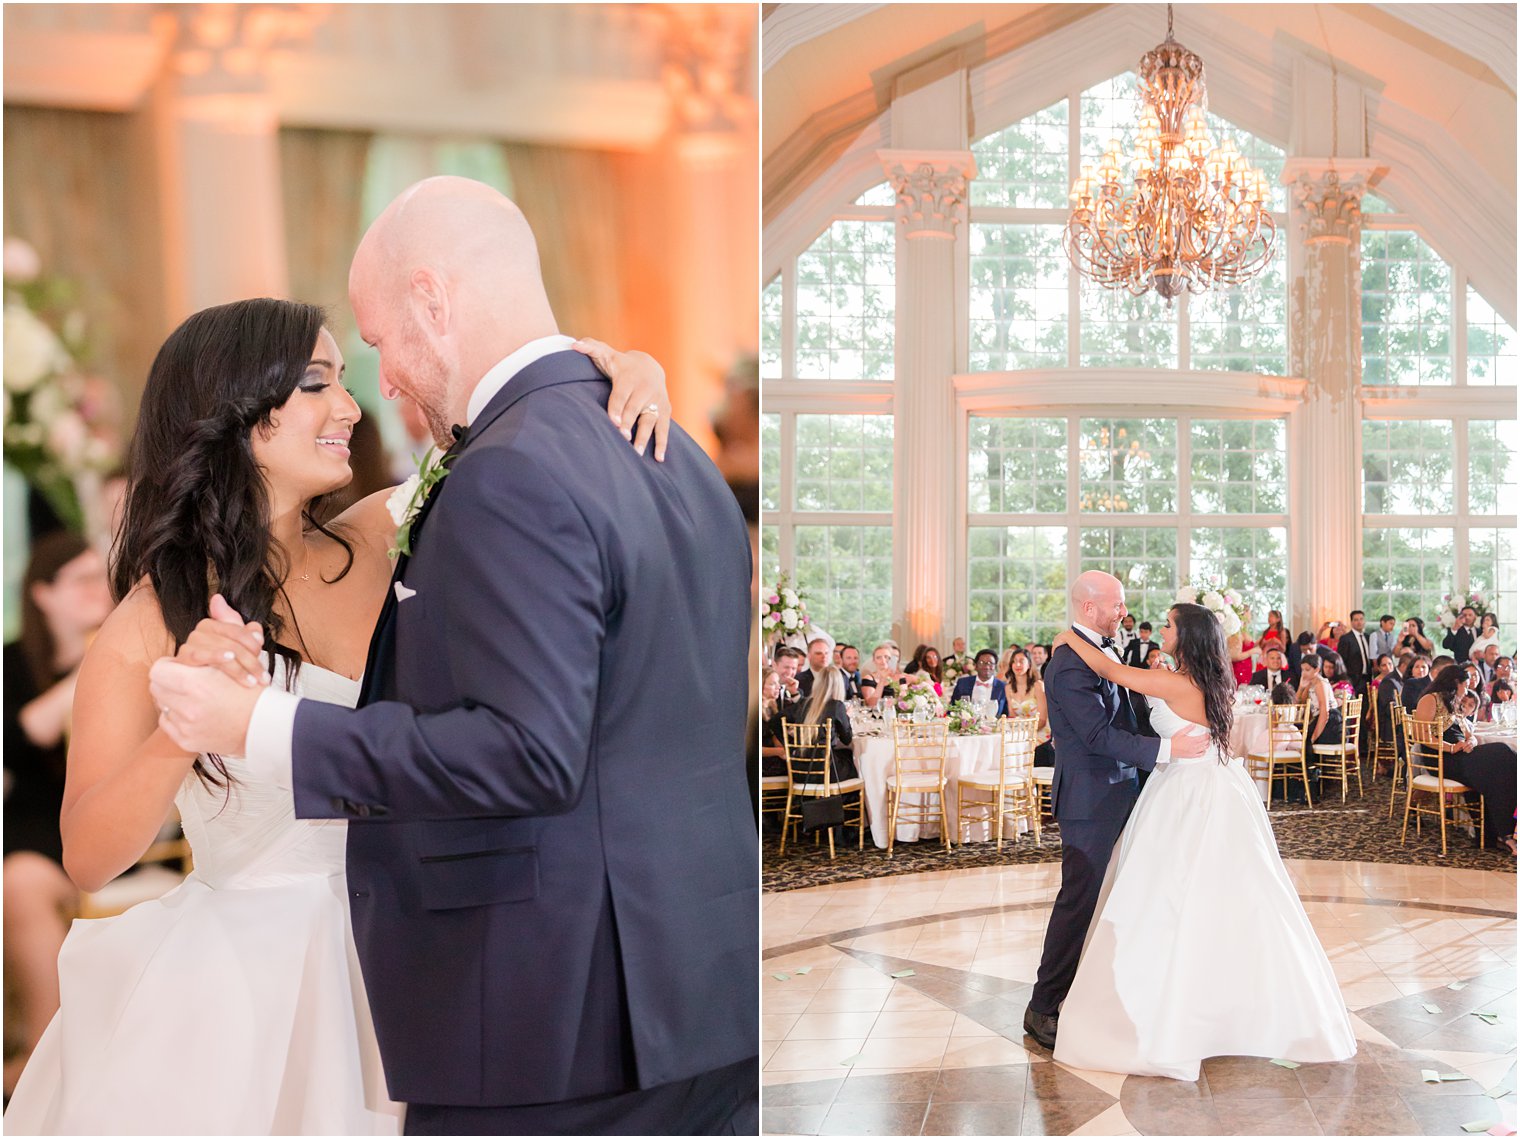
(233, 1005)
(1199, 946)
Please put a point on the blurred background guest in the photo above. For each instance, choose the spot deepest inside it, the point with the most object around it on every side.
(65, 599)
(1385, 638)
(1414, 638)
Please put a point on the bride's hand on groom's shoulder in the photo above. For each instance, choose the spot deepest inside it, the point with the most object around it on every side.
(225, 642)
(640, 403)
(1065, 639)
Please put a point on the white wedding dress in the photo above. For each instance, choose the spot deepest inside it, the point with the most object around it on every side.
(233, 1005)
(1199, 945)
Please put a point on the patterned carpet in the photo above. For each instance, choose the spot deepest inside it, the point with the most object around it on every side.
(1359, 830)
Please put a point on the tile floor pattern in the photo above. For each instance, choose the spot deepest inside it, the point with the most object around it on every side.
(851, 1050)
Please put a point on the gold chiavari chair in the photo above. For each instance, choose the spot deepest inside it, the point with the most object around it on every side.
(1385, 747)
(1287, 729)
(918, 770)
(1011, 787)
(1400, 774)
(1340, 761)
(811, 775)
(775, 790)
(1426, 759)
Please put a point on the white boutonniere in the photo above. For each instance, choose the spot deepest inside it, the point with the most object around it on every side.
(406, 501)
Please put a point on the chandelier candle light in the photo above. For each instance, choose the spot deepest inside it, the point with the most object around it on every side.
(1196, 215)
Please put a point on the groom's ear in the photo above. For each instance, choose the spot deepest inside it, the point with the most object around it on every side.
(431, 298)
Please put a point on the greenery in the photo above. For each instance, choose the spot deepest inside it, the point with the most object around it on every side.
(846, 303)
(1406, 310)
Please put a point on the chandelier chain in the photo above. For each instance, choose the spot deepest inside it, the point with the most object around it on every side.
(1335, 91)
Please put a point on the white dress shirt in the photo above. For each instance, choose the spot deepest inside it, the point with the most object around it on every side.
(1165, 754)
(271, 729)
(981, 692)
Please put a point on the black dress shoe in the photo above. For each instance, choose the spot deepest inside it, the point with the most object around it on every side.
(1041, 1026)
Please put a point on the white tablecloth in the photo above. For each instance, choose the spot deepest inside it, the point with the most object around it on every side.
(873, 759)
(1249, 734)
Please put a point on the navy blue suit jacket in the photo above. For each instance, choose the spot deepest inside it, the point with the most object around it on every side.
(967, 684)
(552, 859)
(1098, 755)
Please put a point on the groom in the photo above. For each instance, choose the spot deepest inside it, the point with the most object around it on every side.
(1099, 755)
(551, 861)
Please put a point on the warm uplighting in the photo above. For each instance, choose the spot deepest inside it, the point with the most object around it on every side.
(1195, 215)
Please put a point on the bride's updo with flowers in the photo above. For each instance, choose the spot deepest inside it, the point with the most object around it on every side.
(1201, 654)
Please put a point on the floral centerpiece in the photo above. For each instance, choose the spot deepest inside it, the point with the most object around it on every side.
(916, 694)
(952, 670)
(58, 420)
(785, 611)
(1226, 604)
(1452, 605)
(966, 721)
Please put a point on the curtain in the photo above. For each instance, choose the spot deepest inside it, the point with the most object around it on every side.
(574, 200)
(322, 179)
(80, 186)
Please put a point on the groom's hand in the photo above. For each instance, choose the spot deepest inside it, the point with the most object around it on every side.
(1190, 745)
(201, 709)
(224, 641)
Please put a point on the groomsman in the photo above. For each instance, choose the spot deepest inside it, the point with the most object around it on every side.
(1135, 652)
(1273, 672)
(1354, 651)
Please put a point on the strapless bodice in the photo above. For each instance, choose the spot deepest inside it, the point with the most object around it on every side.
(246, 835)
(1168, 724)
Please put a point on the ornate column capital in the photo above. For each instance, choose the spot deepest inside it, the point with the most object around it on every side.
(220, 54)
(1327, 197)
(932, 189)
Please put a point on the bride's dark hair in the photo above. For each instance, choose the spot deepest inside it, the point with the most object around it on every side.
(1202, 654)
(196, 519)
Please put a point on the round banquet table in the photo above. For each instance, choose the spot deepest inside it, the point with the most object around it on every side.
(973, 753)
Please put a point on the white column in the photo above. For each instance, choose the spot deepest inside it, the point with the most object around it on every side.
(219, 154)
(931, 208)
(1325, 455)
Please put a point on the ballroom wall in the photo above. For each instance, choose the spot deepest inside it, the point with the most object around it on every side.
(150, 157)
(886, 215)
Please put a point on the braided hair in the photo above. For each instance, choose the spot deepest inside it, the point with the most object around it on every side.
(196, 519)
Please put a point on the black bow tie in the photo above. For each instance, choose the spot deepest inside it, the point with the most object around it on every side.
(460, 431)
(1107, 642)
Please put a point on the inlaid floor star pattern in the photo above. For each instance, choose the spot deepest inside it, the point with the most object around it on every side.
(894, 1006)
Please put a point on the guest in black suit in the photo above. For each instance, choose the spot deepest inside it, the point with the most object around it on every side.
(819, 654)
(1355, 654)
(1304, 643)
(788, 662)
(849, 664)
(1273, 671)
(1139, 648)
(1460, 640)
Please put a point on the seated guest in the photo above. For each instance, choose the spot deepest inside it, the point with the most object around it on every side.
(926, 663)
(1488, 769)
(826, 705)
(787, 662)
(1501, 693)
(1416, 682)
(984, 685)
(1382, 668)
(1039, 655)
(849, 665)
(878, 683)
(820, 652)
(1333, 669)
(1296, 650)
(957, 655)
(772, 746)
(65, 598)
(1135, 652)
(1273, 671)
(1487, 663)
(1282, 693)
(1026, 697)
(1385, 638)
(1414, 638)
(1315, 690)
(1389, 689)
(838, 649)
(1503, 670)
(1155, 658)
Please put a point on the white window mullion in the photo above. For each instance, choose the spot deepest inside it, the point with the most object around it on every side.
(1459, 495)
(1185, 334)
(788, 323)
(1073, 278)
(786, 544)
(1184, 489)
(1073, 497)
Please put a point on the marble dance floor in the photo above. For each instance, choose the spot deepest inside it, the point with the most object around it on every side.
(849, 1049)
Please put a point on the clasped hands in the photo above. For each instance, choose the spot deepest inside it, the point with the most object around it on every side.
(206, 692)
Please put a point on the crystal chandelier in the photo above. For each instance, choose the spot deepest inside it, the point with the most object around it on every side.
(1192, 215)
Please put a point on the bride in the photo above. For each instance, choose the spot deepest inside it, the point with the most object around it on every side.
(234, 1004)
(1199, 946)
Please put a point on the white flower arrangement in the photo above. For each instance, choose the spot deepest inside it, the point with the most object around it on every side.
(785, 610)
(1452, 605)
(1226, 604)
(916, 693)
(59, 421)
